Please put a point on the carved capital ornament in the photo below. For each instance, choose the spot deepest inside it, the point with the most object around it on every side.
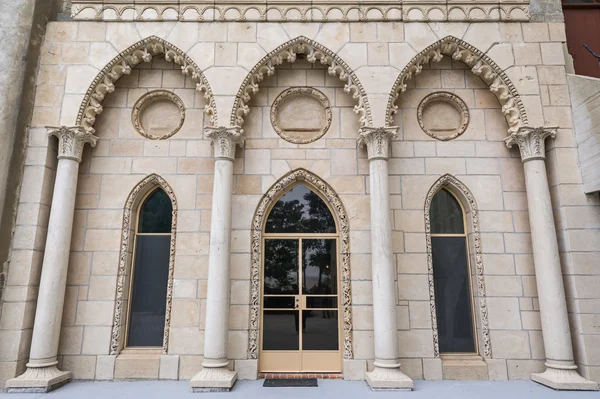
(531, 141)
(71, 140)
(224, 140)
(377, 140)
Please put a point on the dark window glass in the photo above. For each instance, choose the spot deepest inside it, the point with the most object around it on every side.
(321, 302)
(300, 211)
(156, 213)
(279, 302)
(452, 294)
(446, 216)
(320, 330)
(149, 290)
(319, 271)
(280, 330)
(281, 267)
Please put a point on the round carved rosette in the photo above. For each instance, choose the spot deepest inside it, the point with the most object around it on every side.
(443, 115)
(158, 114)
(301, 115)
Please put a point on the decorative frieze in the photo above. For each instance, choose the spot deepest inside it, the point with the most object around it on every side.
(289, 52)
(480, 64)
(531, 141)
(71, 140)
(377, 140)
(300, 11)
(224, 140)
(122, 64)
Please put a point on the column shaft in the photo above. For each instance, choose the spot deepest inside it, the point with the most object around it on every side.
(217, 301)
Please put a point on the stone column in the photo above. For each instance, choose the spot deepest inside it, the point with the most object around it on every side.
(561, 371)
(387, 374)
(42, 374)
(215, 374)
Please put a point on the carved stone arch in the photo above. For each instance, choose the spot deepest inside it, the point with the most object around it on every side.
(480, 64)
(467, 200)
(125, 259)
(289, 52)
(122, 64)
(342, 223)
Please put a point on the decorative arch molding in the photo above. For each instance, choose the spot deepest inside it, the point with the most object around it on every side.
(125, 258)
(122, 64)
(464, 195)
(480, 64)
(258, 222)
(289, 52)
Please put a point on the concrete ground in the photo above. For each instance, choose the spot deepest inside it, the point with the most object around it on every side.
(334, 389)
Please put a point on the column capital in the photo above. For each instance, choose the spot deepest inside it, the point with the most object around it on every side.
(377, 140)
(71, 140)
(531, 141)
(224, 139)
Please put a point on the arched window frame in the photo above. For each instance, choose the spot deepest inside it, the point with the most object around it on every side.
(470, 211)
(134, 201)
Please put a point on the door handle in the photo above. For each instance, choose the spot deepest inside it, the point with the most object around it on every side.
(297, 303)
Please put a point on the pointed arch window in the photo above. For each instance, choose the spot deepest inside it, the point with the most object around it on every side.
(150, 271)
(451, 275)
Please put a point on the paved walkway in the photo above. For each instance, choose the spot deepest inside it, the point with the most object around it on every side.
(328, 389)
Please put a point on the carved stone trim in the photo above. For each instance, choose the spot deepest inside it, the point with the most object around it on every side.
(300, 11)
(224, 140)
(531, 141)
(456, 185)
(71, 140)
(288, 52)
(377, 140)
(129, 220)
(282, 185)
(451, 99)
(480, 64)
(122, 64)
(298, 91)
(148, 98)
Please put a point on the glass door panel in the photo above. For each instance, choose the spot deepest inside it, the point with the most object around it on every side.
(319, 266)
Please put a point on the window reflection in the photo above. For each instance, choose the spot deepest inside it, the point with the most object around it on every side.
(300, 211)
(446, 214)
(281, 267)
(319, 266)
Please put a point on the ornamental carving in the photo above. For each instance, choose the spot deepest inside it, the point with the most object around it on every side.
(480, 64)
(224, 140)
(158, 114)
(531, 141)
(71, 140)
(313, 52)
(301, 115)
(281, 186)
(443, 115)
(122, 64)
(377, 140)
(125, 259)
(453, 184)
(300, 11)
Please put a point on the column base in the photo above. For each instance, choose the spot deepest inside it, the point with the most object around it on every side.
(564, 379)
(39, 380)
(213, 379)
(388, 378)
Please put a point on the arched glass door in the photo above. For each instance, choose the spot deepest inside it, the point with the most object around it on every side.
(300, 317)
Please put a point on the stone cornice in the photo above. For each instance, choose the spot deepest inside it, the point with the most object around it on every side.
(71, 140)
(224, 140)
(531, 141)
(377, 140)
(299, 10)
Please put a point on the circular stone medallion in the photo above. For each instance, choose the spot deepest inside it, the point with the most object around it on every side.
(301, 115)
(158, 114)
(443, 115)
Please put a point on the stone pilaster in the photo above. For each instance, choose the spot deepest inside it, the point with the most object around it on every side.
(215, 374)
(561, 371)
(42, 374)
(387, 374)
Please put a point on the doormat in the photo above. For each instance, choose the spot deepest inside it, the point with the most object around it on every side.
(290, 382)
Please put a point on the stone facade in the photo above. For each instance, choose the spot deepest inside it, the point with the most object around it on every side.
(509, 76)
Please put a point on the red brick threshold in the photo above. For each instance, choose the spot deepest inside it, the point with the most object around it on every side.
(320, 376)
